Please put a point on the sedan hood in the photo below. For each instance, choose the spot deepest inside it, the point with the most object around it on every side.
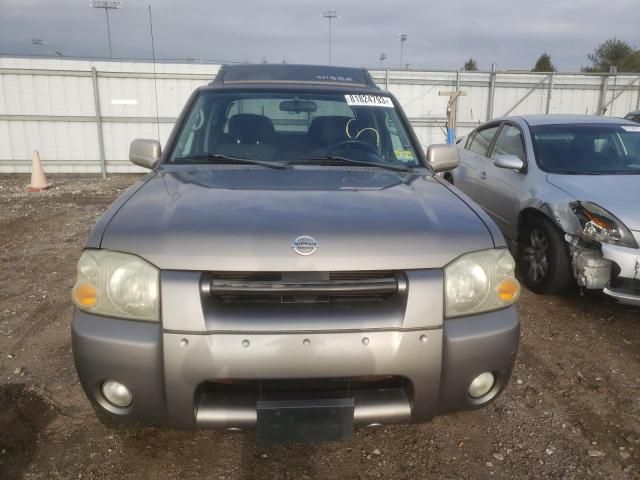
(246, 218)
(619, 194)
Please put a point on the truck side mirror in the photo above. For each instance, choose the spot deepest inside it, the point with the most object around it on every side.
(443, 157)
(144, 152)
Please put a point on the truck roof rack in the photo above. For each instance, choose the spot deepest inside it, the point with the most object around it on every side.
(283, 74)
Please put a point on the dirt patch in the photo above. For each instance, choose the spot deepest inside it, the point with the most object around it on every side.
(24, 413)
(572, 409)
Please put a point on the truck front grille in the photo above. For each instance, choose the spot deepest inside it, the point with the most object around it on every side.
(303, 287)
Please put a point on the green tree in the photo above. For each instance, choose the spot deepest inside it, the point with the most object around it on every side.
(544, 64)
(614, 53)
(470, 65)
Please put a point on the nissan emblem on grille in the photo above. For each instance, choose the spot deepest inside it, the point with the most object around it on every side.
(304, 245)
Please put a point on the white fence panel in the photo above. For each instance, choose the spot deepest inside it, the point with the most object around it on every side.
(50, 104)
(45, 95)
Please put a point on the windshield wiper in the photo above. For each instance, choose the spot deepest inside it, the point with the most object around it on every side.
(337, 160)
(210, 158)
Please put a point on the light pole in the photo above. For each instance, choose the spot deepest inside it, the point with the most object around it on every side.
(107, 5)
(330, 15)
(403, 38)
(382, 58)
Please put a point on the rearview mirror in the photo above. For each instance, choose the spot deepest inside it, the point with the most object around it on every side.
(443, 157)
(144, 152)
(298, 106)
(509, 161)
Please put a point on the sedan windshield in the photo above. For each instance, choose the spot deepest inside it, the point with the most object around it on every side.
(587, 149)
(295, 129)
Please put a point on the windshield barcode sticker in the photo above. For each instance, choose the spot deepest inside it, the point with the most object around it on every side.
(368, 101)
(631, 128)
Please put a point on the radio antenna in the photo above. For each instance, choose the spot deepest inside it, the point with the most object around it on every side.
(155, 80)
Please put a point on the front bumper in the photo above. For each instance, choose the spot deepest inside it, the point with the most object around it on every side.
(165, 370)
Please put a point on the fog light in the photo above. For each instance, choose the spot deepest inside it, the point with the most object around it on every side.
(116, 393)
(482, 384)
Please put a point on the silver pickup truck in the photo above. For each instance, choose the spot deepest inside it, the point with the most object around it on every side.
(292, 263)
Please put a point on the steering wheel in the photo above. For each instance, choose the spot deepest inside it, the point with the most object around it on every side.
(355, 143)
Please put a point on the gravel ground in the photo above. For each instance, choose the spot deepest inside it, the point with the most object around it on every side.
(572, 409)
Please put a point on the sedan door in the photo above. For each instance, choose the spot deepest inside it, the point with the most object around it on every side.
(473, 158)
(499, 191)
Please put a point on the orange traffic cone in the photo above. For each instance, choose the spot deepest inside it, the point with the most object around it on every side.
(38, 179)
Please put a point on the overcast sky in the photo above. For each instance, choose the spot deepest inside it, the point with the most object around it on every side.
(443, 34)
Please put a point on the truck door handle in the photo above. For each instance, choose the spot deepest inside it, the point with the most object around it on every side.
(483, 176)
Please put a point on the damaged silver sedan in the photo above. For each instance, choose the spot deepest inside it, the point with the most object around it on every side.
(565, 191)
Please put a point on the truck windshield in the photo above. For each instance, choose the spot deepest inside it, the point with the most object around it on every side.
(588, 149)
(294, 128)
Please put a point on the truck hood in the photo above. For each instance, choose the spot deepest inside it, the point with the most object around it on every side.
(246, 218)
(619, 194)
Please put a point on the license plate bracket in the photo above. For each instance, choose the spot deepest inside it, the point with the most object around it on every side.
(316, 420)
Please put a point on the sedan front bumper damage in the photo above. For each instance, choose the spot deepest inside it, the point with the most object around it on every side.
(626, 286)
(611, 268)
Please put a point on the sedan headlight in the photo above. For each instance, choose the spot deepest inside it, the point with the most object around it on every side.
(118, 285)
(479, 282)
(602, 226)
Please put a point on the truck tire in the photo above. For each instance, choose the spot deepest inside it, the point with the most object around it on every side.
(544, 261)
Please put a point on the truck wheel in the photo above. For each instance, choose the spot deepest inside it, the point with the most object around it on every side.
(544, 258)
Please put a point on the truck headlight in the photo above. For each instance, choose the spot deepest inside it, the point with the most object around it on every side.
(117, 285)
(602, 226)
(479, 282)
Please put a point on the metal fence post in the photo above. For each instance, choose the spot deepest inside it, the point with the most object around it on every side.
(96, 98)
(455, 117)
(386, 80)
(492, 88)
(603, 94)
(549, 92)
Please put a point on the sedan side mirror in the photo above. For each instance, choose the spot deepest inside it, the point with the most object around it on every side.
(443, 157)
(144, 152)
(509, 161)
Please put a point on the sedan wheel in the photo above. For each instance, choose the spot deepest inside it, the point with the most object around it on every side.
(544, 260)
(535, 256)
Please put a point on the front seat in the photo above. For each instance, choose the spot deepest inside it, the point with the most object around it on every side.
(251, 129)
(328, 130)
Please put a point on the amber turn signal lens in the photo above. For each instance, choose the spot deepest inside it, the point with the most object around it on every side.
(86, 295)
(508, 289)
(600, 222)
